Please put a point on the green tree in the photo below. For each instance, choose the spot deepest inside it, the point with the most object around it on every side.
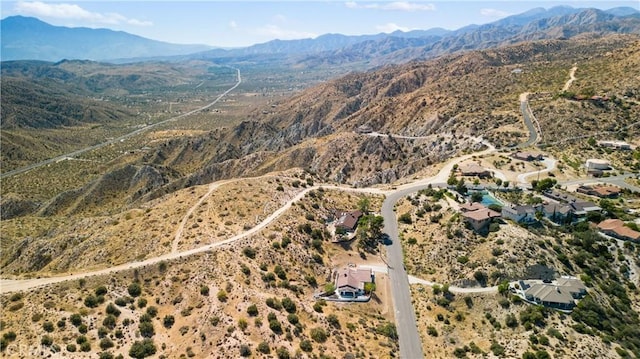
(369, 287)
(142, 349)
(134, 289)
(476, 196)
(146, 329)
(363, 205)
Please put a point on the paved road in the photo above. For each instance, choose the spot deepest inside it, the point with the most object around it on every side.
(528, 118)
(614, 180)
(118, 139)
(410, 343)
(550, 165)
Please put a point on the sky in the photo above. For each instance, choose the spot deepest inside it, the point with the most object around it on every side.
(243, 23)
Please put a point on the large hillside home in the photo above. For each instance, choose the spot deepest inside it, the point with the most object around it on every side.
(600, 191)
(560, 294)
(521, 214)
(350, 282)
(616, 228)
(480, 219)
(557, 212)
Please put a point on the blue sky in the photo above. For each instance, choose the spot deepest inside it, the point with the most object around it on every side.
(243, 23)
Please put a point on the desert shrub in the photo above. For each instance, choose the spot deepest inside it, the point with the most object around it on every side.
(497, 349)
(222, 295)
(46, 340)
(142, 349)
(48, 326)
(152, 311)
(264, 348)
(283, 353)
(275, 326)
(146, 329)
(101, 290)
(319, 335)
(134, 289)
(242, 324)
(333, 321)
(204, 290)
(112, 309)
(274, 303)
(306, 346)
(91, 301)
(293, 318)
(245, 350)
(249, 252)
(106, 343)
(432, 331)
(109, 321)
(142, 302)
(289, 305)
(252, 310)
(168, 321)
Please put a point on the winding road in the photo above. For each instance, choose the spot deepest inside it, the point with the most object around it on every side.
(123, 137)
(409, 338)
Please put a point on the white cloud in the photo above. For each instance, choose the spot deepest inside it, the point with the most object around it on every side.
(233, 24)
(494, 13)
(74, 12)
(391, 27)
(393, 6)
(275, 31)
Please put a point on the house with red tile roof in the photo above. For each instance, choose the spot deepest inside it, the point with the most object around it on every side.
(600, 191)
(616, 228)
(480, 217)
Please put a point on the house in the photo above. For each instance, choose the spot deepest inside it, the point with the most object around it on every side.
(469, 207)
(350, 282)
(364, 129)
(559, 196)
(479, 219)
(474, 170)
(528, 156)
(582, 208)
(616, 228)
(549, 295)
(348, 221)
(600, 191)
(618, 145)
(557, 212)
(521, 214)
(573, 285)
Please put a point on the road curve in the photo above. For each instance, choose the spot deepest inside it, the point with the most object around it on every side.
(117, 139)
(409, 338)
(550, 164)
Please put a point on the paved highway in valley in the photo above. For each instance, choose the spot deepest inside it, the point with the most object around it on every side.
(118, 139)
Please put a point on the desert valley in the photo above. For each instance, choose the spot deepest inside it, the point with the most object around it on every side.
(470, 194)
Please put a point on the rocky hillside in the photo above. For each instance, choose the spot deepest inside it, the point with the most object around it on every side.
(440, 102)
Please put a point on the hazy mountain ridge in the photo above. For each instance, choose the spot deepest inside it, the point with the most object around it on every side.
(27, 38)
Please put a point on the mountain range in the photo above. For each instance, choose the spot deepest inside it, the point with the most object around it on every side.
(27, 38)
(30, 38)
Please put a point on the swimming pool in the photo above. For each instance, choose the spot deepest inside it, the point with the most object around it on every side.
(488, 199)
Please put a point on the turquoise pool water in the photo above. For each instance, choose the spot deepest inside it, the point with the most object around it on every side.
(488, 200)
